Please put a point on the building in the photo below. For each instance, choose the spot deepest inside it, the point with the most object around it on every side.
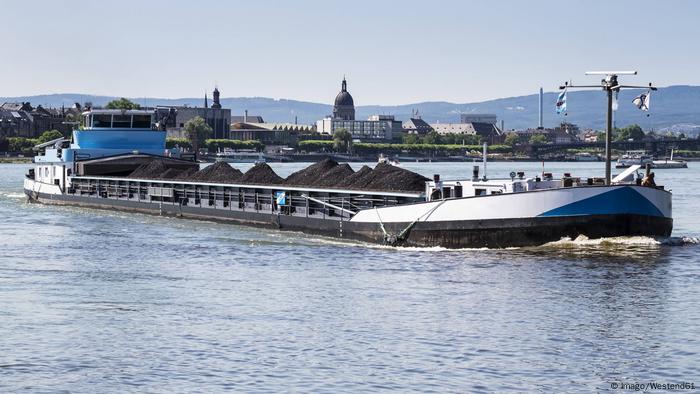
(589, 136)
(478, 118)
(377, 128)
(269, 133)
(218, 118)
(15, 123)
(23, 120)
(487, 131)
(453, 128)
(416, 126)
(569, 128)
(344, 106)
(556, 135)
(54, 119)
(246, 118)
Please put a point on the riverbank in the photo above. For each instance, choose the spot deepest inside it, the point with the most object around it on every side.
(15, 160)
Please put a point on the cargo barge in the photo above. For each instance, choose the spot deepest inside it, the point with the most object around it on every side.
(118, 161)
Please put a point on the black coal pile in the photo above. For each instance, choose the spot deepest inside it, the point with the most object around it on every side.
(392, 178)
(261, 174)
(335, 175)
(358, 180)
(385, 177)
(178, 174)
(310, 175)
(219, 172)
(151, 170)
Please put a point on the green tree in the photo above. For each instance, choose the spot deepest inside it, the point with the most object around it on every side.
(342, 140)
(538, 139)
(220, 144)
(471, 139)
(432, 138)
(315, 145)
(631, 132)
(21, 145)
(410, 139)
(49, 135)
(181, 142)
(122, 103)
(197, 131)
(511, 139)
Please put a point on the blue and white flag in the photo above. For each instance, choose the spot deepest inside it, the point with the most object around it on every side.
(642, 101)
(281, 198)
(561, 102)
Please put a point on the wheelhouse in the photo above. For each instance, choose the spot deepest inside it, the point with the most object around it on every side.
(118, 119)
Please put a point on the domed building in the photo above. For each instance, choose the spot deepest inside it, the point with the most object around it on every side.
(378, 128)
(344, 107)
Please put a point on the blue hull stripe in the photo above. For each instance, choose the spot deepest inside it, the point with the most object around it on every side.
(618, 201)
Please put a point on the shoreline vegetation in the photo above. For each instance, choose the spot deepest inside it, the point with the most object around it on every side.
(15, 160)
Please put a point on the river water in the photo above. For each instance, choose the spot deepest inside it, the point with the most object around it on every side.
(100, 301)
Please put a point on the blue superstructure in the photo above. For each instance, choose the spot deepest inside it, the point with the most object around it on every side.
(108, 133)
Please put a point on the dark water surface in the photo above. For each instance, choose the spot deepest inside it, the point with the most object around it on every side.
(99, 301)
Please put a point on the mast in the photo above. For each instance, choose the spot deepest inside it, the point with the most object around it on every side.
(608, 139)
(610, 86)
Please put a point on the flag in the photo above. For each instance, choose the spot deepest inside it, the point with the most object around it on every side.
(281, 198)
(642, 101)
(561, 102)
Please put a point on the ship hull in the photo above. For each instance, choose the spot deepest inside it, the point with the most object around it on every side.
(463, 233)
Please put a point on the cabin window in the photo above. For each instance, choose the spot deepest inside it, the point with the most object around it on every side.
(142, 122)
(121, 121)
(479, 192)
(447, 192)
(101, 120)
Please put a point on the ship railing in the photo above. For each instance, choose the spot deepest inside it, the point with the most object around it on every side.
(337, 206)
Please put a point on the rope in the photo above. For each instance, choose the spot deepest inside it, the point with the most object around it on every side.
(393, 239)
(387, 237)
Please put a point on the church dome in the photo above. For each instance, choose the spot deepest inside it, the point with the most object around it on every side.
(344, 98)
(344, 107)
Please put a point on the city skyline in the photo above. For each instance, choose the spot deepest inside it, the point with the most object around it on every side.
(451, 51)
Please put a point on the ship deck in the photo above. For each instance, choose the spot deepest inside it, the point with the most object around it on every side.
(337, 204)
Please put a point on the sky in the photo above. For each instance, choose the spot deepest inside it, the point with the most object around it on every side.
(392, 52)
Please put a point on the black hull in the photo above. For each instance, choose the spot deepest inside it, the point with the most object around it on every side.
(496, 233)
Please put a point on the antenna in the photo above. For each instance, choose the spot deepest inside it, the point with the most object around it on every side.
(611, 86)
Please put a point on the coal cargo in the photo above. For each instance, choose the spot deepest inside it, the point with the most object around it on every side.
(261, 174)
(184, 175)
(391, 178)
(178, 174)
(334, 176)
(171, 173)
(351, 180)
(311, 174)
(151, 170)
(323, 174)
(219, 172)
